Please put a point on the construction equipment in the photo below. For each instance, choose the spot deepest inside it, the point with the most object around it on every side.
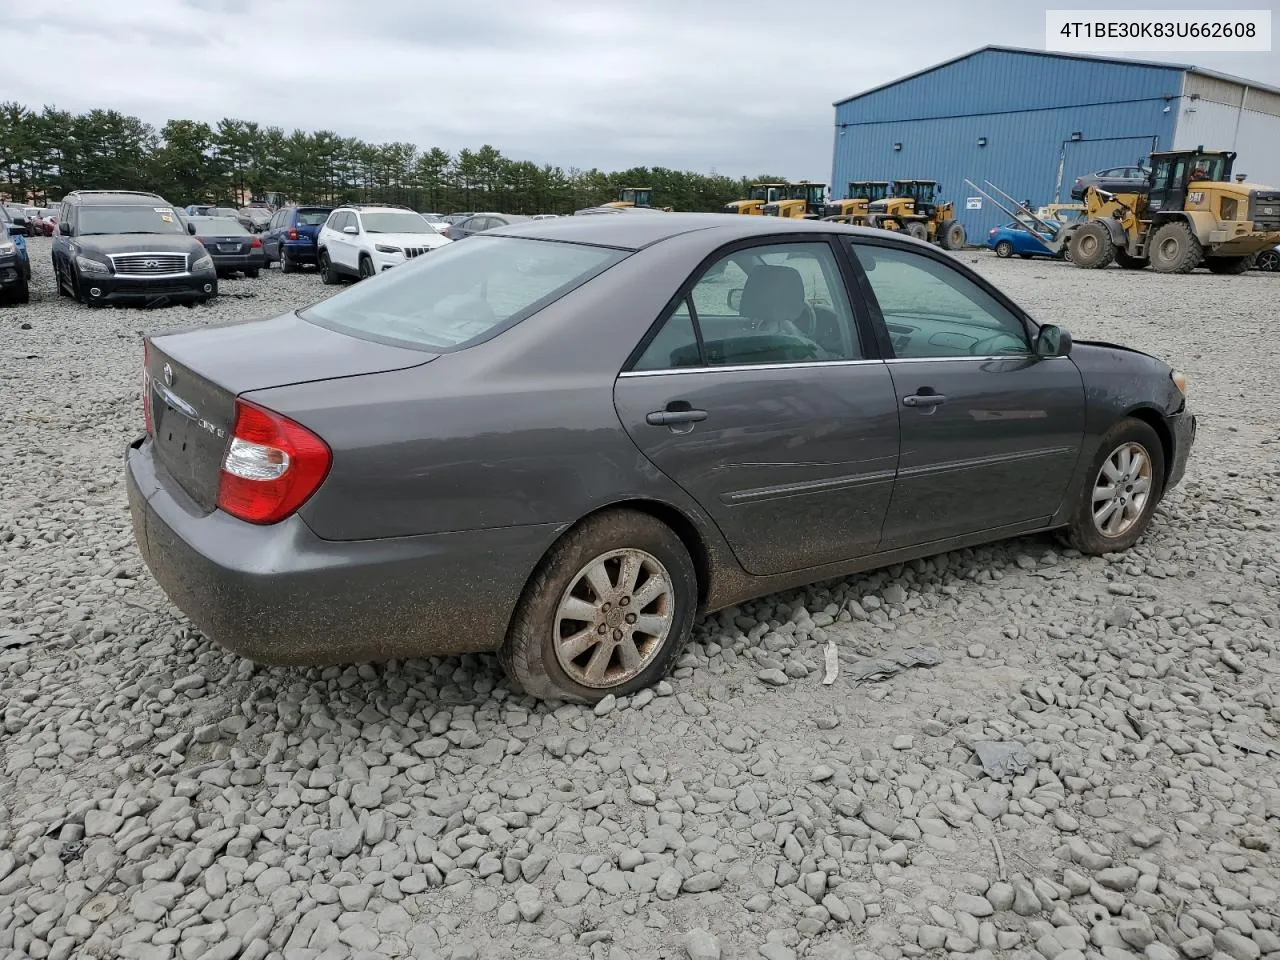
(804, 200)
(634, 197)
(759, 195)
(853, 208)
(1192, 213)
(912, 207)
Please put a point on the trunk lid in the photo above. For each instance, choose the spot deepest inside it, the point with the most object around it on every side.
(192, 380)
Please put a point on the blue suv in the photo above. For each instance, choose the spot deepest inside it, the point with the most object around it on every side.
(290, 237)
(15, 263)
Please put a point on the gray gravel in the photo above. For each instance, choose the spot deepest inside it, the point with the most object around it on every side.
(160, 798)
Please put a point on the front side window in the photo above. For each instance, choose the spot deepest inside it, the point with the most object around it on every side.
(777, 303)
(463, 293)
(129, 218)
(932, 311)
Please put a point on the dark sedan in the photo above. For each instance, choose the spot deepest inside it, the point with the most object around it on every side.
(480, 223)
(233, 248)
(566, 440)
(1113, 180)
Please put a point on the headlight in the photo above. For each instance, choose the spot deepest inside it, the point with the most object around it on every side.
(6, 248)
(203, 263)
(87, 265)
(386, 248)
(1180, 381)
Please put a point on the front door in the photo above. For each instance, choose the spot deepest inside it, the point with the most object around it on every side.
(757, 396)
(990, 432)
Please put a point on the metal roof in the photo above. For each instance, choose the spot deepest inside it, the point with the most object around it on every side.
(1094, 58)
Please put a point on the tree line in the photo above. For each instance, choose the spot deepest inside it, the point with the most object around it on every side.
(46, 154)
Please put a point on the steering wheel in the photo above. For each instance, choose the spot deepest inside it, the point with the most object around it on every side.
(805, 323)
(986, 348)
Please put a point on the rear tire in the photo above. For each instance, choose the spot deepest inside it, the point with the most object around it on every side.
(917, 230)
(1084, 531)
(1228, 265)
(537, 653)
(1004, 249)
(1268, 260)
(327, 274)
(1091, 246)
(952, 235)
(1173, 249)
(287, 265)
(1129, 262)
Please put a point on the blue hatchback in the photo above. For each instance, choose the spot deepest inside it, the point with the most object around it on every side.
(1015, 238)
(290, 238)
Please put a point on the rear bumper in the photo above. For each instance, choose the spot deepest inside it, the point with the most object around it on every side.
(299, 251)
(280, 594)
(1182, 427)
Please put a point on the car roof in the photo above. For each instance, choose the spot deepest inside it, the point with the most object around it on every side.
(117, 197)
(635, 233)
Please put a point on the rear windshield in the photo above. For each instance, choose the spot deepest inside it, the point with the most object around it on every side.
(312, 218)
(461, 293)
(130, 218)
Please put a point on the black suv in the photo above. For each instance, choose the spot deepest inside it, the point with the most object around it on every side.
(118, 245)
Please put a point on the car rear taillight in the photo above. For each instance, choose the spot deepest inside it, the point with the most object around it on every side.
(257, 242)
(293, 234)
(271, 467)
(146, 385)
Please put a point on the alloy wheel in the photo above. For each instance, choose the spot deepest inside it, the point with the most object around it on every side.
(614, 618)
(1121, 490)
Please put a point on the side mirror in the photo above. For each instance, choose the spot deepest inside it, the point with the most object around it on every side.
(734, 299)
(191, 229)
(1052, 341)
(64, 229)
(351, 230)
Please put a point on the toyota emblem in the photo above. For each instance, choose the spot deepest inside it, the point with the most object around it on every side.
(168, 375)
(152, 264)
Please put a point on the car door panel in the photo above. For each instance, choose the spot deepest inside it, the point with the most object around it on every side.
(1000, 449)
(990, 433)
(794, 463)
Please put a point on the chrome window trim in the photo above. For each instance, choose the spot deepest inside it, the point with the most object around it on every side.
(739, 367)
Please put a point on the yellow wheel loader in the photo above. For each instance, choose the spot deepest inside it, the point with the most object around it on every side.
(760, 195)
(1190, 214)
(912, 207)
(804, 200)
(635, 197)
(853, 208)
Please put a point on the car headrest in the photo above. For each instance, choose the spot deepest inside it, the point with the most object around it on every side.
(773, 293)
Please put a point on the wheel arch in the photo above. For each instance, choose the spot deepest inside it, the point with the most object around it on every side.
(1156, 421)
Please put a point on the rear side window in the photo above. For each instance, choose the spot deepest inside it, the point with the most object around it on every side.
(463, 293)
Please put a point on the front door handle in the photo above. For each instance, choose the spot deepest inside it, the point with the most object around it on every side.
(923, 400)
(668, 418)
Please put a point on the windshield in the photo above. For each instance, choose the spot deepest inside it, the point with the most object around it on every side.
(218, 227)
(313, 217)
(222, 212)
(817, 193)
(462, 293)
(1208, 167)
(131, 218)
(397, 221)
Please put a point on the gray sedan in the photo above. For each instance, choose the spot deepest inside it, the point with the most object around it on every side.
(567, 439)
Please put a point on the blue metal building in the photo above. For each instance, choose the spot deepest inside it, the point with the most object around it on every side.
(1031, 122)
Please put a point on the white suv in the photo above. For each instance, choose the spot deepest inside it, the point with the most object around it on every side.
(360, 241)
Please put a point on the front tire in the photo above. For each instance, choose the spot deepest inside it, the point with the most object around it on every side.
(366, 268)
(1268, 260)
(1174, 249)
(606, 612)
(1004, 249)
(917, 230)
(327, 274)
(1091, 246)
(1124, 485)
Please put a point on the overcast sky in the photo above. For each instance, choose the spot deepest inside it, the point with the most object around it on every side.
(738, 86)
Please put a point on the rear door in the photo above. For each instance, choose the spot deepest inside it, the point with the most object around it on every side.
(763, 398)
(990, 432)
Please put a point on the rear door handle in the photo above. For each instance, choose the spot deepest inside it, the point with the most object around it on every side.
(923, 400)
(667, 418)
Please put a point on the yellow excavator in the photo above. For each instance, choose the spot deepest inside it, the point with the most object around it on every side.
(759, 195)
(634, 197)
(913, 207)
(853, 208)
(804, 200)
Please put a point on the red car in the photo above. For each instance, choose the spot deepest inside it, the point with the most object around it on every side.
(44, 225)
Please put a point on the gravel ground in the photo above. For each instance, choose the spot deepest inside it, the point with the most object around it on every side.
(161, 798)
